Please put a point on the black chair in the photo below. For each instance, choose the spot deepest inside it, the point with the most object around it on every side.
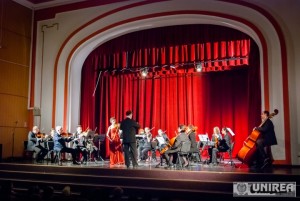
(28, 155)
(49, 145)
(161, 157)
(57, 157)
(184, 151)
(194, 155)
(230, 155)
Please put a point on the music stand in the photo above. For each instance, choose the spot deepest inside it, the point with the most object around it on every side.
(205, 140)
(231, 149)
(98, 139)
(230, 131)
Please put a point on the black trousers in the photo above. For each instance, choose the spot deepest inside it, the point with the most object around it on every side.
(83, 151)
(130, 152)
(73, 152)
(41, 153)
(260, 155)
(170, 152)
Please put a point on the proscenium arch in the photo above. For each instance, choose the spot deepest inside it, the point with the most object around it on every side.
(87, 45)
(91, 42)
(81, 50)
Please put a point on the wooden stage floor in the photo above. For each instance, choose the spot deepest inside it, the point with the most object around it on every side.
(223, 167)
(199, 179)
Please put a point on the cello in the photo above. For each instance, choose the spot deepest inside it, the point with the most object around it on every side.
(248, 150)
(169, 145)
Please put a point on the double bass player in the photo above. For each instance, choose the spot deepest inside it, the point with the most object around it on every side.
(264, 156)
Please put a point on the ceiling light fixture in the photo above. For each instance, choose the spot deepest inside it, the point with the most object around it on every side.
(144, 72)
(198, 67)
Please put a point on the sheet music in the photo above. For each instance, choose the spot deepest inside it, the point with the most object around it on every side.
(205, 140)
(230, 131)
(203, 137)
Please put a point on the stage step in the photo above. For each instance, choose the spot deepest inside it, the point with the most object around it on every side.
(177, 184)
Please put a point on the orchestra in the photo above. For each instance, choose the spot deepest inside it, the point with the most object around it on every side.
(83, 147)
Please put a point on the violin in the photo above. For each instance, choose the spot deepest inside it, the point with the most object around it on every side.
(216, 142)
(66, 135)
(39, 135)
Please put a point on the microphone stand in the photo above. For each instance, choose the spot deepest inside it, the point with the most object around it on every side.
(99, 150)
(13, 140)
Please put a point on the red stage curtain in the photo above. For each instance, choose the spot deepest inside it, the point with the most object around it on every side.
(169, 97)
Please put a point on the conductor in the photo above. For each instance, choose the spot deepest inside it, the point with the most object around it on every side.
(127, 131)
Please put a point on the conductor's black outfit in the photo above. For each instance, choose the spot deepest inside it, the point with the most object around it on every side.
(129, 129)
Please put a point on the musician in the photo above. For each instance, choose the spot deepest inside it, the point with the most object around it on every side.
(32, 139)
(180, 138)
(50, 143)
(264, 143)
(78, 132)
(215, 138)
(222, 145)
(43, 149)
(35, 144)
(51, 134)
(60, 144)
(79, 143)
(147, 145)
(162, 139)
(192, 136)
(128, 130)
(115, 147)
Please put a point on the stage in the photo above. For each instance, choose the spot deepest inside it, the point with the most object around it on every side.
(199, 179)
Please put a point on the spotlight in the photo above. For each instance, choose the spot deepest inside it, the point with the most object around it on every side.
(198, 67)
(144, 72)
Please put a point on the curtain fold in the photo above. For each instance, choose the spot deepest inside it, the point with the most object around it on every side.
(225, 93)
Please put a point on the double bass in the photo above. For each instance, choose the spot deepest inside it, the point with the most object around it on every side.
(248, 150)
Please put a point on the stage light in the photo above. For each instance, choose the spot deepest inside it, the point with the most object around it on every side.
(198, 67)
(144, 72)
